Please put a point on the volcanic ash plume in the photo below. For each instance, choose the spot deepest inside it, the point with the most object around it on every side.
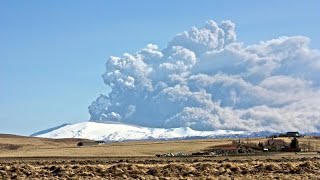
(205, 79)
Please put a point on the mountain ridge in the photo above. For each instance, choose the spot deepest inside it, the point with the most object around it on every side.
(48, 130)
(115, 131)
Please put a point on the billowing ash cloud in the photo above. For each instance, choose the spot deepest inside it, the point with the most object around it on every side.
(205, 79)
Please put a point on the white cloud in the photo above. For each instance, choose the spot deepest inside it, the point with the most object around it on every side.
(205, 79)
(210, 37)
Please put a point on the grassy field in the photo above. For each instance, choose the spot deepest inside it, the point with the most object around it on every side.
(33, 158)
(19, 146)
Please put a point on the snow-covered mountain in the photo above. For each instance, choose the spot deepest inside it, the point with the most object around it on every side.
(48, 130)
(112, 131)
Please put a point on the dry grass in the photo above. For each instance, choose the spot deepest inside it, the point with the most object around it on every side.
(34, 158)
(19, 146)
(165, 168)
(31, 147)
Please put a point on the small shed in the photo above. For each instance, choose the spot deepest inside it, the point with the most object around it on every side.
(80, 144)
(100, 142)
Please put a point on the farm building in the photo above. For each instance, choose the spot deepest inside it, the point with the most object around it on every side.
(275, 144)
(293, 134)
(100, 142)
(89, 143)
(232, 149)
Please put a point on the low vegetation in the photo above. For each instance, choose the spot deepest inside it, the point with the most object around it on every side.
(34, 158)
(161, 168)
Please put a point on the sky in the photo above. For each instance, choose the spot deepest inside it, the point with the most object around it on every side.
(53, 53)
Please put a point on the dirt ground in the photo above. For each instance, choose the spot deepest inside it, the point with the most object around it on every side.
(160, 168)
(41, 158)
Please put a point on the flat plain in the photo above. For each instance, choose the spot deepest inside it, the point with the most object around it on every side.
(33, 158)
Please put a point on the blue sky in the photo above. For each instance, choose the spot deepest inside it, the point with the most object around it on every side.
(52, 53)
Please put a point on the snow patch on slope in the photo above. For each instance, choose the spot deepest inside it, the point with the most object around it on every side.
(123, 132)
